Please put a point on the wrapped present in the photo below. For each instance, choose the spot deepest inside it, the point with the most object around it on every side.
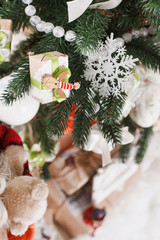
(5, 39)
(48, 64)
(74, 164)
(61, 215)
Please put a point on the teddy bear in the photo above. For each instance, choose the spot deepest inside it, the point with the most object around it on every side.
(23, 199)
(23, 202)
(12, 162)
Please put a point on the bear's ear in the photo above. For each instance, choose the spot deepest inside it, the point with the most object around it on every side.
(3, 184)
(3, 215)
(39, 191)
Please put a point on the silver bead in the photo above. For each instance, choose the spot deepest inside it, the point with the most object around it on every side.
(40, 26)
(34, 20)
(127, 37)
(27, 1)
(151, 31)
(135, 33)
(58, 31)
(30, 10)
(48, 27)
(143, 32)
(70, 36)
(119, 42)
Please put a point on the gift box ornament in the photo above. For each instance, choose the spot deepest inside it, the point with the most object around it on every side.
(5, 40)
(50, 77)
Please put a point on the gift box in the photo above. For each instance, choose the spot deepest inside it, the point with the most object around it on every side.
(61, 216)
(52, 63)
(5, 40)
(73, 169)
(110, 179)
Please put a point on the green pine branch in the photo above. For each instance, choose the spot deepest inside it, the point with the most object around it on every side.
(57, 121)
(147, 51)
(112, 133)
(83, 118)
(108, 117)
(142, 144)
(150, 9)
(124, 150)
(19, 84)
(90, 28)
(128, 16)
(39, 129)
(130, 124)
(110, 109)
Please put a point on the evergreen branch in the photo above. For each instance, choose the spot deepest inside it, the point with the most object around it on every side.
(108, 117)
(130, 124)
(143, 143)
(110, 109)
(19, 84)
(59, 117)
(147, 51)
(48, 43)
(129, 16)
(124, 152)
(83, 119)
(112, 133)
(39, 129)
(151, 11)
(90, 28)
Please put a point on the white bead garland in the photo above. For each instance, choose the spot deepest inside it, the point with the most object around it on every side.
(119, 42)
(58, 31)
(30, 10)
(34, 20)
(70, 36)
(127, 37)
(47, 27)
(27, 1)
(40, 26)
(142, 32)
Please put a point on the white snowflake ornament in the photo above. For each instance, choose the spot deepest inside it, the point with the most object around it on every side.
(109, 68)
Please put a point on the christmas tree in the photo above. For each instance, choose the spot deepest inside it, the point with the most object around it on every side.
(94, 40)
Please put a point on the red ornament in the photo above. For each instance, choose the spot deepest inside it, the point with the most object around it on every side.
(94, 217)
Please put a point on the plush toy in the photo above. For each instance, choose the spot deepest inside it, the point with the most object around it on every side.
(147, 106)
(12, 162)
(24, 199)
(13, 157)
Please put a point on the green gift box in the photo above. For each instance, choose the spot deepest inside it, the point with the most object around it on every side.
(51, 63)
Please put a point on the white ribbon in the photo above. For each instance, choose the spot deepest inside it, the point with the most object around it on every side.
(4, 52)
(77, 7)
(98, 144)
